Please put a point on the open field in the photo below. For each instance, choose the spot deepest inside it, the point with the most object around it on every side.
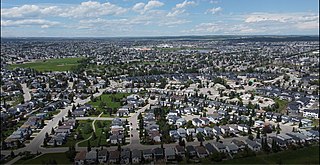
(61, 64)
(308, 155)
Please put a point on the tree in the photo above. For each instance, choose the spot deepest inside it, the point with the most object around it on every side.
(94, 136)
(258, 134)
(88, 146)
(12, 154)
(46, 136)
(42, 123)
(73, 107)
(52, 131)
(69, 113)
(60, 123)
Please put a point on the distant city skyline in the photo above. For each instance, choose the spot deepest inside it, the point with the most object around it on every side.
(138, 18)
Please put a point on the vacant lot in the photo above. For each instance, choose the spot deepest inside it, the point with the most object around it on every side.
(61, 64)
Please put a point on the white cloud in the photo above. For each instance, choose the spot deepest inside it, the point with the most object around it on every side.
(153, 4)
(41, 22)
(138, 7)
(142, 7)
(85, 9)
(29, 11)
(180, 8)
(93, 9)
(184, 4)
(214, 10)
(175, 13)
(281, 17)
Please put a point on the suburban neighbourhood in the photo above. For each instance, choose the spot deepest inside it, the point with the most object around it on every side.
(142, 101)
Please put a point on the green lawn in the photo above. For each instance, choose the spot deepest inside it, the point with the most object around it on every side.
(308, 155)
(60, 158)
(99, 132)
(61, 64)
(108, 101)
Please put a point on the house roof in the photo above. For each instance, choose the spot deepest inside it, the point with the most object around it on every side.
(80, 155)
(201, 150)
(169, 151)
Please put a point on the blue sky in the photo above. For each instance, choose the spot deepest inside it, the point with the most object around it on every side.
(113, 18)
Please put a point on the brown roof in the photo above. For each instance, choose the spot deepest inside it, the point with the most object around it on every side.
(80, 155)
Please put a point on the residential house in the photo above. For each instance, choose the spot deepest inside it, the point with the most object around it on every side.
(158, 153)
(240, 144)
(252, 145)
(201, 151)
(170, 154)
(180, 151)
(125, 157)
(191, 151)
(136, 156)
(311, 113)
(91, 157)
(114, 157)
(103, 156)
(220, 147)
(80, 158)
(147, 154)
(232, 148)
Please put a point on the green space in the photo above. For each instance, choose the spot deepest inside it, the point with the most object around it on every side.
(101, 134)
(281, 105)
(107, 103)
(308, 155)
(61, 64)
(51, 158)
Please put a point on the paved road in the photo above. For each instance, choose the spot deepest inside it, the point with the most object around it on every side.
(26, 92)
(134, 139)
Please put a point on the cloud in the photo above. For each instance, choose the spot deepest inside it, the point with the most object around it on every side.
(41, 22)
(85, 9)
(179, 8)
(29, 11)
(142, 7)
(175, 13)
(214, 10)
(93, 9)
(184, 4)
(280, 17)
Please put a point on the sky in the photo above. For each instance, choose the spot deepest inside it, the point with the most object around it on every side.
(137, 18)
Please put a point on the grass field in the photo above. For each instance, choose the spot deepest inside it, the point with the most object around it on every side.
(60, 158)
(99, 132)
(283, 104)
(108, 101)
(61, 64)
(308, 155)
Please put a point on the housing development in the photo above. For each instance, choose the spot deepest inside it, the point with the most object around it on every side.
(161, 100)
